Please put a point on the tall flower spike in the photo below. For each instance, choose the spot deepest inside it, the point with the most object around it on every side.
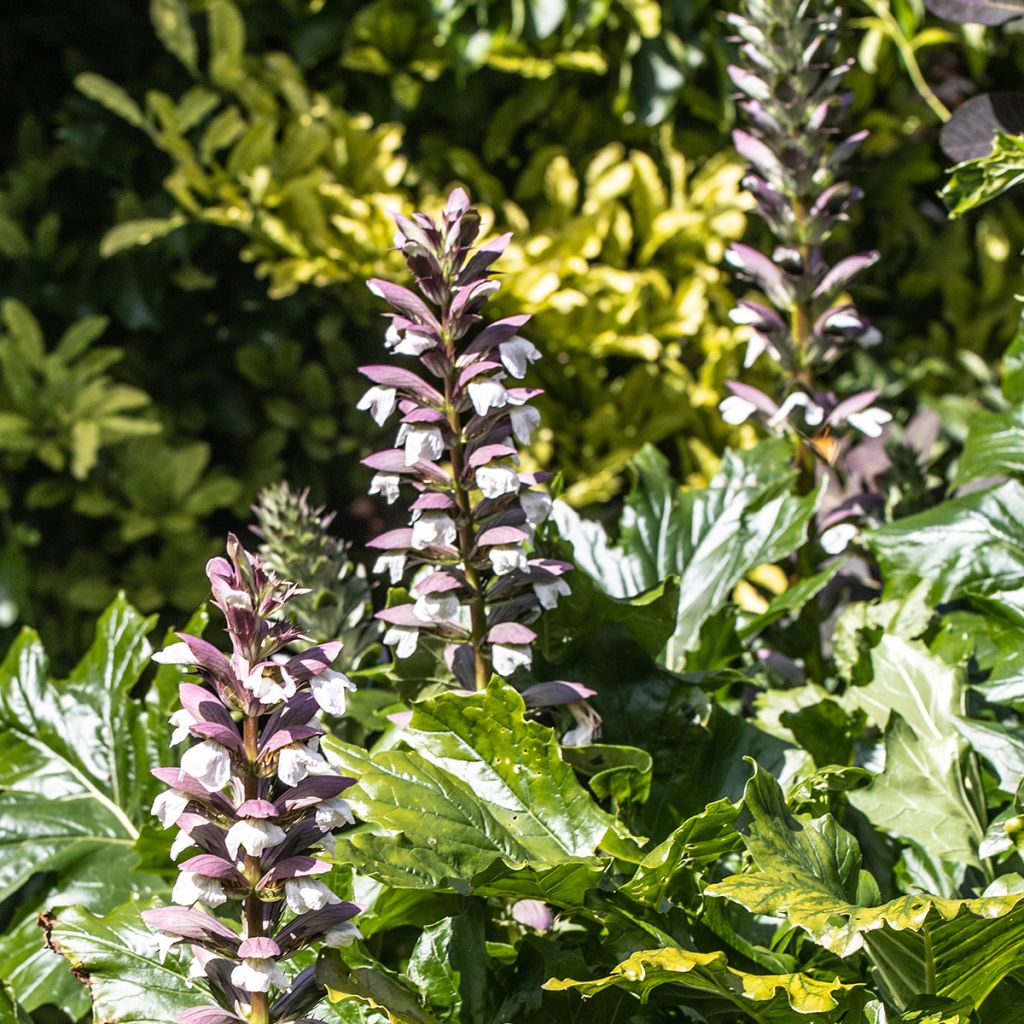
(252, 799)
(473, 512)
(791, 100)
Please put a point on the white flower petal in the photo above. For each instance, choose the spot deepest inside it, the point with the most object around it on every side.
(437, 607)
(175, 654)
(209, 763)
(486, 395)
(253, 975)
(549, 591)
(403, 639)
(169, 806)
(342, 935)
(254, 836)
(380, 401)
(536, 506)
(836, 540)
(516, 354)
(736, 410)
(506, 658)
(192, 888)
(392, 564)
(334, 813)
(296, 761)
(506, 558)
(387, 484)
(422, 443)
(525, 420)
(433, 527)
(330, 690)
(304, 894)
(497, 479)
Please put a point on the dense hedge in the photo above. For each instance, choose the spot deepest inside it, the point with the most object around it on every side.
(184, 234)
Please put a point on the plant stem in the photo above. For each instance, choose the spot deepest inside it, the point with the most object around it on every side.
(466, 531)
(259, 1012)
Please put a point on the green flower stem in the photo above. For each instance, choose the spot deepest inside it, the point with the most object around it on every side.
(259, 1012)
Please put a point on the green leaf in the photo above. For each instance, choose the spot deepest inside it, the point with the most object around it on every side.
(668, 874)
(711, 973)
(973, 544)
(112, 96)
(648, 618)
(975, 182)
(74, 786)
(171, 22)
(227, 42)
(1013, 365)
(480, 784)
(118, 956)
(431, 971)
(10, 1011)
(371, 983)
(994, 446)
(25, 330)
(809, 871)
(138, 232)
(712, 538)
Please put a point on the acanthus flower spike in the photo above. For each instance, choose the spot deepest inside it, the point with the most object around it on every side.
(473, 512)
(253, 796)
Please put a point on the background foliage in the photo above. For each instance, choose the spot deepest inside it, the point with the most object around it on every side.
(195, 192)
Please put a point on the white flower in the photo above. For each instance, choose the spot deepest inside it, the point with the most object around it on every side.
(169, 806)
(437, 607)
(508, 657)
(588, 723)
(192, 888)
(421, 443)
(813, 413)
(304, 894)
(525, 421)
(497, 479)
(330, 690)
(231, 598)
(516, 354)
(549, 591)
(342, 935)
(413, 343)
(755, 346)
(254, 835)
(175, 654)
(296, 761)
(536, 506)
(387, 484)
(836, 539)
(403, 639)
(181, 720)
(381, 403)
(182, 842)
(265, 688)
(736, 410)
(869, 421)
(433, 527)
(392, 564)
(506, 558)
(333, 813)
(486, 395)
(209, 763)
(253, 975)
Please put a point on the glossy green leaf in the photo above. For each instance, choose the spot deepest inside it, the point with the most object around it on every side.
(970, 544)
(809, 871)
(711, 973)
(975, 182)
(480, 784)
(76, 785)
(112, 96)
(994, 446)
(711, 538)
(128, 981)
(10, 1011)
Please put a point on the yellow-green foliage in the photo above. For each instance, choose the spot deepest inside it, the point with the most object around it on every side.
(617, 260)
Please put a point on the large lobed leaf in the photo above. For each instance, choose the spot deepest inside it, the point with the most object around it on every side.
(480, 784)
(117, 956)
(712, 538)
(809, 871)
(766, 997)
(74, 775)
